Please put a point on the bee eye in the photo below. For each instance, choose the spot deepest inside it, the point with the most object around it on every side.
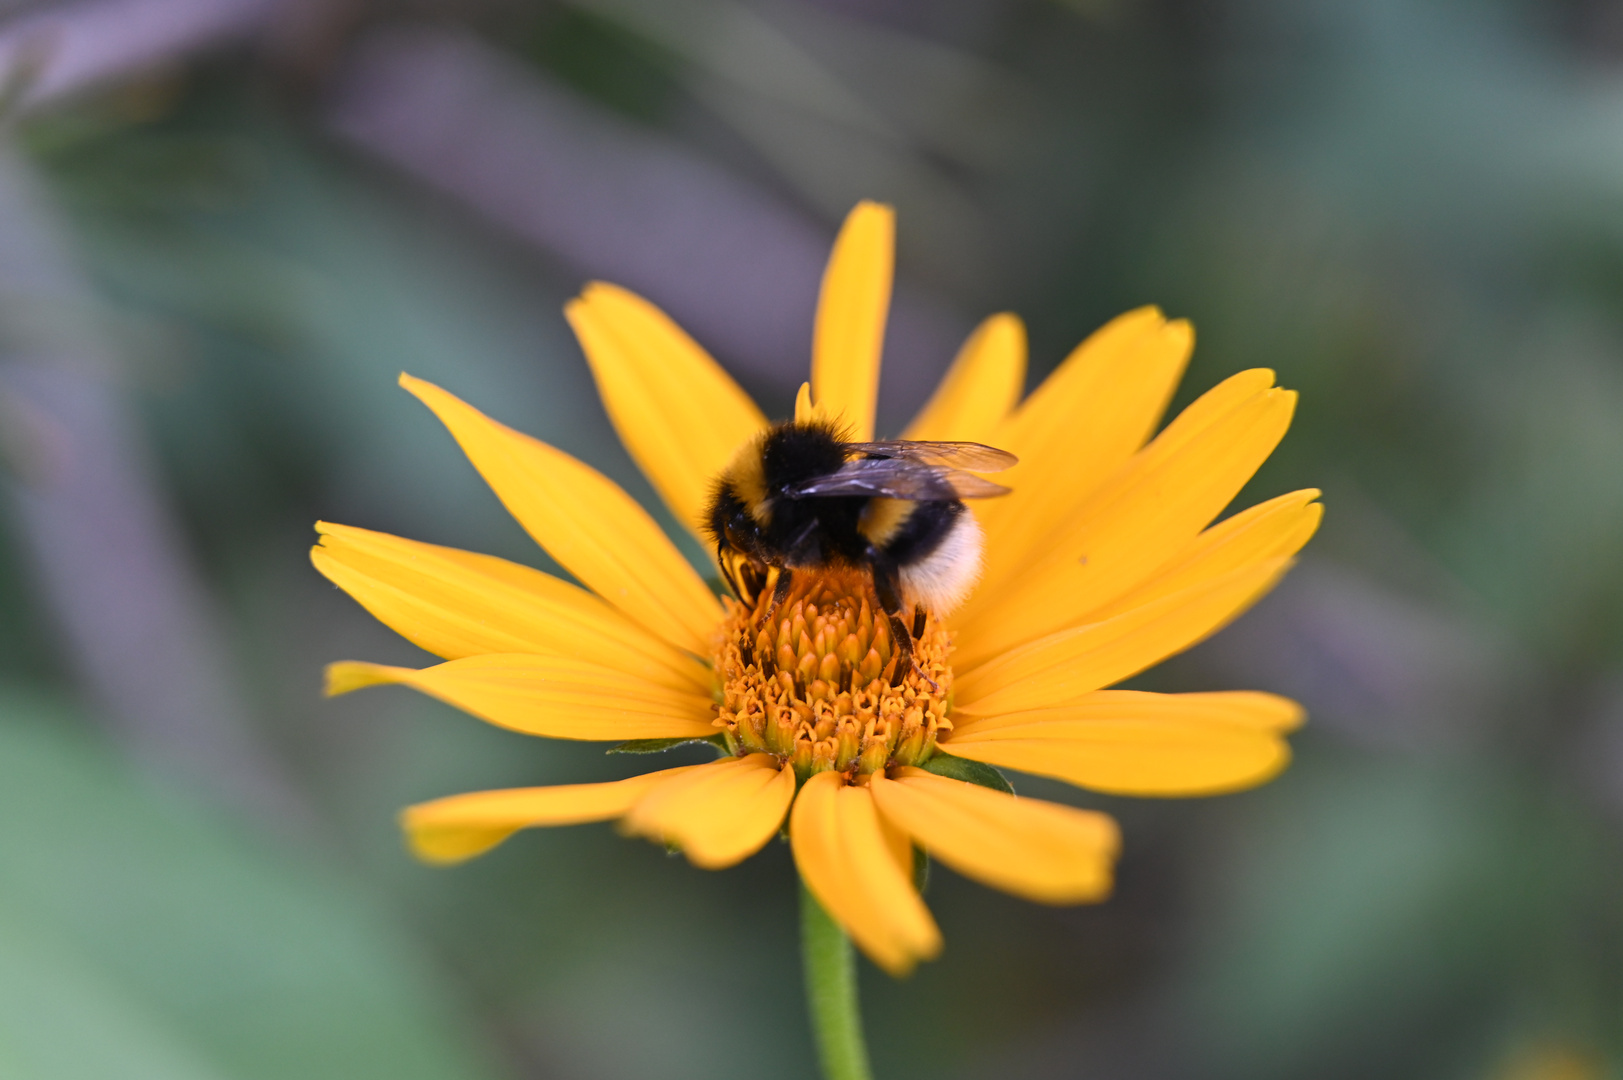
(740, 530)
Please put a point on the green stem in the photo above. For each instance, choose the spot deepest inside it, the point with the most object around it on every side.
(831, 993)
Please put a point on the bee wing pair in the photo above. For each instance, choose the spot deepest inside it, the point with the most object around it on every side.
(957, 455)
(916, 470)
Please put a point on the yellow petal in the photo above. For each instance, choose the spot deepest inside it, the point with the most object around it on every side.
(1205, 410)
(841, 852)
(457, 603)
(452, 829)
(719, 814)
(596, 531)
(1077, 428)
(851, 312)
(555, 696)
(1252, 709)
(980, 388)
(1064, 666)
(1039, 850)
(900, 846)
(679, 414)
(1076, 390)
(1133, 528)
(1271, 530)
(1130, 743)
(805, 411)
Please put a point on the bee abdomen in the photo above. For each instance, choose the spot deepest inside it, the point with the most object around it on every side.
(936, 548)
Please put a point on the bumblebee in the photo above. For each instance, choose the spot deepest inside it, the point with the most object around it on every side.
(799, 496)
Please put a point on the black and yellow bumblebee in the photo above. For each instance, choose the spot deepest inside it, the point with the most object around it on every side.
(800, 496)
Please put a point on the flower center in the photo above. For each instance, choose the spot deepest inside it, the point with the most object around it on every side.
(816, 683)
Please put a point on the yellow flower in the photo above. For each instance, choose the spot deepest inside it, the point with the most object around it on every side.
(1101, 563)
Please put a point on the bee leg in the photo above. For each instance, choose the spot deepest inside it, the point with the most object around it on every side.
(918, 621)
(780, 593)
(727, 574)
(887, 589)
(904, 648)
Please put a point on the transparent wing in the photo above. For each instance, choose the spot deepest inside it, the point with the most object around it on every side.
(897, 478)
(957, 455)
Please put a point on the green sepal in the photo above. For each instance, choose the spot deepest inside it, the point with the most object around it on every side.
(659, 746)
(921, 869)
(972, 772)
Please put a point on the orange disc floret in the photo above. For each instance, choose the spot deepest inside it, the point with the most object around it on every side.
(815, 681)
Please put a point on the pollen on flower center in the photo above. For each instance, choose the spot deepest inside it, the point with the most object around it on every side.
(816, 684)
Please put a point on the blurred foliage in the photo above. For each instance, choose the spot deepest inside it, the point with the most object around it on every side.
(142, 937)
(1409, 208)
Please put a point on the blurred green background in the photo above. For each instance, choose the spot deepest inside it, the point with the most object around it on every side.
(226, 225)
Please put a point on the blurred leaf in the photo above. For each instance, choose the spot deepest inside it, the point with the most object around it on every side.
(300, 302)
(971, 772)
(659, 746)
(1363, 908)
(61, 1019)
(603, 61)
(141, 935)
(826, 136)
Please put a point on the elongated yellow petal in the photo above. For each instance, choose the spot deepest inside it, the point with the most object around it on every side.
(900, 846)
(1130, 743)
(458, 603)
(1039, 850)
(1271, 530)
(1199, 414)
(719, 814)
(555, 696)
(1251, 709)
(814, 841)
(679, 414)
(459, 827)
(1077, 428)
(1014, 559)
(1064, 666)
(841, 852)
(1116, 544)
(980, 388)
(596, 531)
(851, 312)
